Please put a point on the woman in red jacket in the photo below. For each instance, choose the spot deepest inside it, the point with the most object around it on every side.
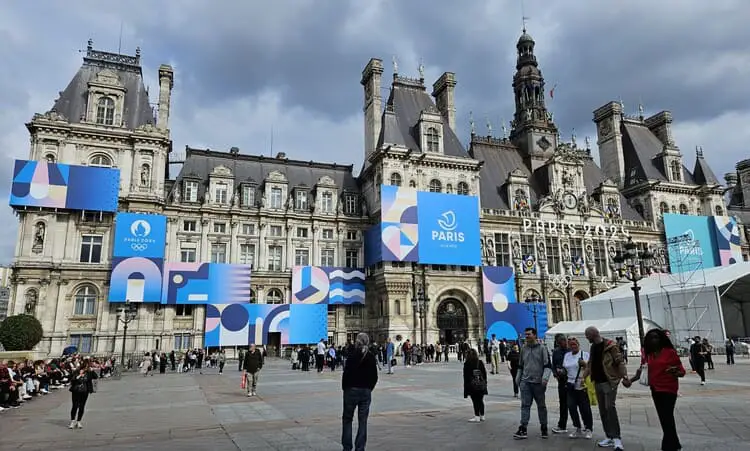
(664, 370)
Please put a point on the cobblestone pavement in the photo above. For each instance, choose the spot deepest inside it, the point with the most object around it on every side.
(418, 408)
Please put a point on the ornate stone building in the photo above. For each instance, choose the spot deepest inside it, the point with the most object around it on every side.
(547, 209)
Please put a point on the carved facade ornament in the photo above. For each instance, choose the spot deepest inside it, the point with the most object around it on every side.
(326, 181)
(176, 193)
(222, 171)
(605, 129)
(145, 175)
(108, 77)
(543, 143)
(584, 205)
(276, 176)
(31, 298)
(51, 115)
(39, 234)
(521, 201)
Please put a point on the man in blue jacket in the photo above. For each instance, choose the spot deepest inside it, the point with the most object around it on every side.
(389, 354)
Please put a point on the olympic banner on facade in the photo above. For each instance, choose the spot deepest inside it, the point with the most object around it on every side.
(707, 241)
(140, 235)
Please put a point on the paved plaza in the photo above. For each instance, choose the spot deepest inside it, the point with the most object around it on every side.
(419, 408)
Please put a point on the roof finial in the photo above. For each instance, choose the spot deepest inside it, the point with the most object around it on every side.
(395, 65)
(524, 19)
(622, 105)
(504, 128)
(489, 127)
(90, 45)
(699, 151)
(573, 137)
(471, 122)
(587, 140)
(421, 69)
(640, 109)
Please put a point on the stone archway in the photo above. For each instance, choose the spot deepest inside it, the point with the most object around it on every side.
(578, 296)
(452, 320)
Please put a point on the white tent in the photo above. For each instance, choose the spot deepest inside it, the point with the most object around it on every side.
(627, 328)
(713, 303)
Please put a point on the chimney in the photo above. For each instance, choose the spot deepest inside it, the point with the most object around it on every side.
(660, 125)
(608, 119)
(281, 155)
(166, 83)
(443, 92)
(731, 179)
(373, 106)
(234, 150)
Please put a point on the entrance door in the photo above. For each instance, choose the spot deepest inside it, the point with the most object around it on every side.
(274, 344)
(453, 321)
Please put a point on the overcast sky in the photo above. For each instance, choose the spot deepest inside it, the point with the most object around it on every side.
(244, 68)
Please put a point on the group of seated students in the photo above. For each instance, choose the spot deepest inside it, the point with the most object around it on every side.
(25, 380)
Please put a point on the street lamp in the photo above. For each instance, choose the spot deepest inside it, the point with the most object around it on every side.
(534, 303)
(634, 266)
(125, 314)
(420, 304)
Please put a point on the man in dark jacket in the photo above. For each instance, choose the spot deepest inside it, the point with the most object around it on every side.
(359, 379)
(251, 369)
(558, 355)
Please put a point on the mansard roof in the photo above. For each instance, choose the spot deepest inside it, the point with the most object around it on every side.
(73, 100)
(702, 174)
(501, 157)
(642, 151)
(400, 120)
(255, 168)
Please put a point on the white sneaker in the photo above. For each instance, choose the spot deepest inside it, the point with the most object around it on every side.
(703, 382)
(44, 390)
(72, 424)
(618, 445)
(606, 443)
(79, 425)
(474, 420)
(26, 397)
(249, 394)
(577, 433)
(481, 417)
(587, 434)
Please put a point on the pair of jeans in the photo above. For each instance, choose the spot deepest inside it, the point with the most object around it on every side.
(664, 403)
(79, 403)
(477, 400)
(730, 358)
(390, 364)
(496, 362)
(606, 396)
(513, 374)
(578, 401)
(562, 395)
(360, 399)
(531, 392)
(252, 381)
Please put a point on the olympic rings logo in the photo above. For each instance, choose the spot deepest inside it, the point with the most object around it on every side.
(138, 247)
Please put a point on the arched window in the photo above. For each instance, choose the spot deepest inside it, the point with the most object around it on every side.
(85, 301)
(412, 184)
(396, 179)
(105, 111)
(100, 160)
(663, 208)
(462, 188)
(676, 171)
(719, 211)
(432, 137)
(274, 296)
(50, 158)
(436, 186)
(684, 209)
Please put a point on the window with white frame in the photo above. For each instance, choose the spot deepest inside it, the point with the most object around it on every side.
(221, 193)
(99, 160)
(301, 257)
(351, 235)
(247, 254)
(220, 227)
(183, 341)
(326, 234)
(326, 202)
(85, 301)
(302, 232)
(527, 245)
(327, 257)
(275, 230)
(600, 257)
(557, 309)
(274, 258)
(396, 179)
(300, 200)
(277, 199)
(248, 229)
(502, 249)
(105, 111)
(248, 196)
(189, 226)
(191, 191)
(218, 252)
(436, 186)
(462, 188)
(350, 204)
(91, 249)
(188, 255)
(432, 138)
(274, 296)
(352, 258)
(82, 342)
(553, 255)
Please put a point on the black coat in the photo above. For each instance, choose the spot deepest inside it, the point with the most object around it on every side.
(253, 361)
(469, 368)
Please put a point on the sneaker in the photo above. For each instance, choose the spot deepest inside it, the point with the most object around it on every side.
(556, 430)
(249, 394)
(481, 418)
(618, 445)
(474, 420)
(521, 433)
(575, 434)
(545, 434)
(79, 425)
(703, 382)
(72, 424)
(587, 434)
(606, 443)
(255, 393)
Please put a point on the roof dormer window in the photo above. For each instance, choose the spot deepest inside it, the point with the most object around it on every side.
(432, 138)
(105, 111)
(676, 171)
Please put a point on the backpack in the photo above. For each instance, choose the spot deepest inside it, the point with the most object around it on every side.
(478, 383)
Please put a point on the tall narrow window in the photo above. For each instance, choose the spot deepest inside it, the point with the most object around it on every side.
(301, 257)
(462, 188)
(557, 310)
(351, 204)
(436, 186)
(502, 249)
(218, 253)
(553, 255)
(352, 258)
(191, 191)
(432, 137)
(600, 258)
(274, 258)
(396, 179)
(301, 200)
(221, 193)
(663, 208)
(248, 196)
(527, 245)
(326, 202)
(105, 111)
(327, 257)
(247, 254)
(684, 209)
(91, 249)
(276, 198)
(676, 171)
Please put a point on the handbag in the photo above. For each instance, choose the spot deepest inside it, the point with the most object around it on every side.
(394, 362)
(590, 391)
(643, 380)
(242, 382)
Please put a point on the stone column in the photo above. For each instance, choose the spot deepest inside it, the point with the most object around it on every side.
(262, 264)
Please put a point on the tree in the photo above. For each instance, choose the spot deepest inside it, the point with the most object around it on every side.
(20, 332)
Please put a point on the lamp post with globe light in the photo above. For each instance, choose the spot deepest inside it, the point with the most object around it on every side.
(125, 314)
(634, 266)
(533, 304)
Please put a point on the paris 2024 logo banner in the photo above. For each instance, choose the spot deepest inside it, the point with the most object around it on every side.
(140, 235)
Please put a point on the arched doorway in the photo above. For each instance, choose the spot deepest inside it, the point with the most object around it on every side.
(579, 296)
(452, 321)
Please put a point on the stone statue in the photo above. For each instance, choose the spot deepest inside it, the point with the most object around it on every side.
(540, 250)
(177, 194)
(236, 200)
(528, 114)
(145, 175)
(31, 300)
(516, 250)
(39, 234)
(584, 205)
